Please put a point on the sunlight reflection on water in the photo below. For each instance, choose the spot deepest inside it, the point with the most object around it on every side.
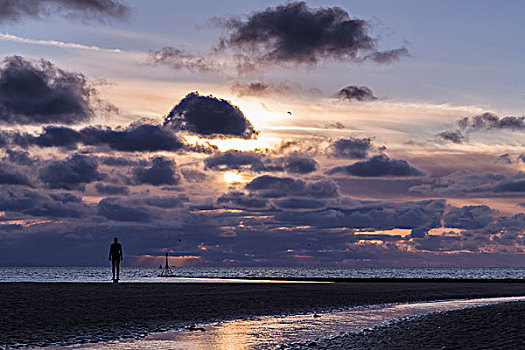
(269, 332)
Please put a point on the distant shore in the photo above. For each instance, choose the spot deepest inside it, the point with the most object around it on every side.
(38, 314)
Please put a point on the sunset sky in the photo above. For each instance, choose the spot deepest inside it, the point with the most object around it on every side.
(262, 133)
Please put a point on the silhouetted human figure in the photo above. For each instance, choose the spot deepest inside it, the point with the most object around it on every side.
(115, 255)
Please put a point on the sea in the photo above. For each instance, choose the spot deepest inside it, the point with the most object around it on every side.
(218, 274)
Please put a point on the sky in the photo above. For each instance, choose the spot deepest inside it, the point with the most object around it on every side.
(262, 133)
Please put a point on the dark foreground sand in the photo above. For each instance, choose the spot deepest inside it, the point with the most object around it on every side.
(500, 326)
(36, 314)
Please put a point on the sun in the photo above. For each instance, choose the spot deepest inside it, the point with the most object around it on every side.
(233, 176)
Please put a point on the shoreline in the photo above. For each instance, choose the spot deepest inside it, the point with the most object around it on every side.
(39, 314)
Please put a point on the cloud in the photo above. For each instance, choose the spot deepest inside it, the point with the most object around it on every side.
(19, 157)
(259, 88)
(12, 176)
(482, 123)
(111, 190)
(469, 217)
(241, 200)
(72, 173)
(113, 210)
(257, 162)
(38, 92)
(178, 59)
(161, 172)
(350, 148)
(356, 93)
(488, 121)
(452, 136)
(134, 138)
(299, 203)
(274, 187)
(467, 183)
(295, 34)
(39, 204)
(379, 165)
(17, 10)
(210, 117)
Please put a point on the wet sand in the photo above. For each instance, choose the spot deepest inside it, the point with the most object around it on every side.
(499, 326)
(37, 314)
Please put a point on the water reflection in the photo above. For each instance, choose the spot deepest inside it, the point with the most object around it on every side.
(269, 332)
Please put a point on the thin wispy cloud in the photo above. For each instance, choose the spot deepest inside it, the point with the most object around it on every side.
(54, 43)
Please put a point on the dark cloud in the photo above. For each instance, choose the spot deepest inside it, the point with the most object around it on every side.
(210, 117)
(166, 202)
(452, 136)
(294, 34)
(259, 88)
(72, 173)
(17, 10)
(141, 137)
(467, 183)
(299, 203)
(12, 176)
(178, 59)
(375, 215)
(38, 92)
(483, 122)
(513, 225)
(274, 187)
(237, 160)
(350, 148)
(113, 210)
(121, 161)
(521, 158)
(356, 93)
(504, 159)
(134, 138)
(39, 204)
(380, 165)
(241, 200)
(488, 121)
(19, 157)
(469, 217)
(161, 172)
(111, 190)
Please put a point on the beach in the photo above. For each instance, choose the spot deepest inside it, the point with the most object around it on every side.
(497, 326)
(39, 314)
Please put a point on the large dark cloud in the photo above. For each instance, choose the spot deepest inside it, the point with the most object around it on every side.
(111, 190)
(274, 187)
(11, 176)
(375, 215)
(380, 165)
(350, 148)
(38, 92)
(356, 93)
(161, 172)
(237, 160)
(469, 217)
(72, 173)
(294, 34)
(134, 138)
(112, 209)
(16, 10)
(31, 202)
(19, 157)
(210, 117)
